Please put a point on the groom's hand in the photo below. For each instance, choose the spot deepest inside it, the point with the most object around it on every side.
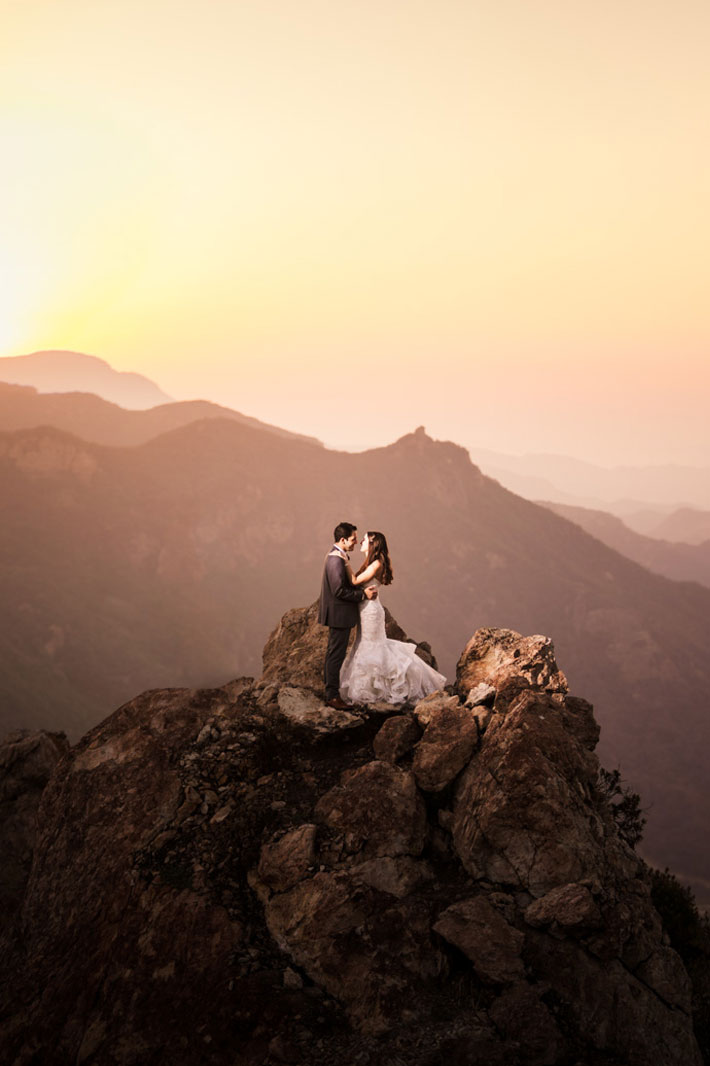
(371, 593)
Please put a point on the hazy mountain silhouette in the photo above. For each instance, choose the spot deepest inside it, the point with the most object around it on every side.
(642, 519)
(60, 371)
(169, 563)
(95, 419)
(687, 524)
(682, 562)
(567, 480)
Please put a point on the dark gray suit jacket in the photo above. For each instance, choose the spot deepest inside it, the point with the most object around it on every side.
(339, 598)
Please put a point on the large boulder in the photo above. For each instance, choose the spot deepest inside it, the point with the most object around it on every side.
(508, 662)
(396, 738)
(448, 742)
(524, 807)
(370, 949)
(482, 933)
(377, 809)
(571, 907)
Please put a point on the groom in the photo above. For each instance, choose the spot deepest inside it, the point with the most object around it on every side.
(338, 609)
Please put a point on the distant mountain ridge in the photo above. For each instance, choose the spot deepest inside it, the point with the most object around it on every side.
(66, 371)
(679, 561)
(687, 524)
(101, 422)
(567, 480)
(165, 564)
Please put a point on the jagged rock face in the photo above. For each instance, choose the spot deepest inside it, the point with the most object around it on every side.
(26, 764)
(92, 920)
(221, 880)
(523, 810)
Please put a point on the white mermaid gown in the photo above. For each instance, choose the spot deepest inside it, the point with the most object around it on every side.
(377, 669)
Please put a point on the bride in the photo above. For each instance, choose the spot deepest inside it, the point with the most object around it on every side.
(376, 668)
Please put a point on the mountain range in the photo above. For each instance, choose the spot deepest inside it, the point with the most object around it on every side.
(95, 419)
(687, 524)
(624, 490)
(62, 371)
(678, 560)
(168, 563)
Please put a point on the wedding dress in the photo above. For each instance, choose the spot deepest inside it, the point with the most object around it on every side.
(377, 669)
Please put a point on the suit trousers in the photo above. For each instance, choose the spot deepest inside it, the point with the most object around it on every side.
(334, 658)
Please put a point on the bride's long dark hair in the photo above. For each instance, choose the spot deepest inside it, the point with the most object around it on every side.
(377, 549)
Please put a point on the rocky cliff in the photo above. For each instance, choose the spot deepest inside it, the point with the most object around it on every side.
(242, 876)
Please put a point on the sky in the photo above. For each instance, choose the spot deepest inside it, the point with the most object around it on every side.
(350, 219)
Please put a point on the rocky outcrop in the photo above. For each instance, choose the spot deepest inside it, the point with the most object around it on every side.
(236, 877)
(294, 653)
(523, 811)
(509, 663)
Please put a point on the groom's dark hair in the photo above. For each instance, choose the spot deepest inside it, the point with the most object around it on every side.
(343, 529)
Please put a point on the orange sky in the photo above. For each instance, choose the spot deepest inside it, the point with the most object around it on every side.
(351, 219)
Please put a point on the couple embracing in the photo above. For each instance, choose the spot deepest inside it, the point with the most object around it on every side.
(376, 669)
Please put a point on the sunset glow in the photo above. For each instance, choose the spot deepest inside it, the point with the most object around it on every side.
(349, 220)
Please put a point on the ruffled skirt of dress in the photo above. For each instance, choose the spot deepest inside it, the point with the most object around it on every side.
(378, 669)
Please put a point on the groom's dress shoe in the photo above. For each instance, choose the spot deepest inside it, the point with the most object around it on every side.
(337, 703)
